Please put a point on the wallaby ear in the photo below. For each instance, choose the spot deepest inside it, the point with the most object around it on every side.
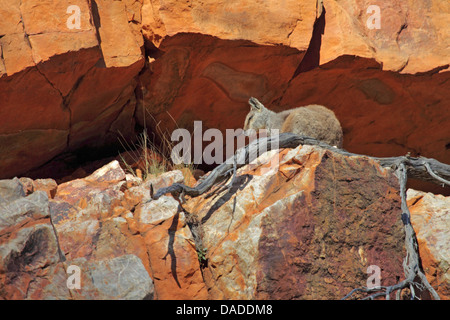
(255, 105)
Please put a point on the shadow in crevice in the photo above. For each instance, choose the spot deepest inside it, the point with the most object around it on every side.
(97, 23)
(239, 184)
(422, 293)
(170, 247)
(151, 50)
(311, 59)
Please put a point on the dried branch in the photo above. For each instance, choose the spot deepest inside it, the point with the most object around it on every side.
(418, 168)
(435, 176)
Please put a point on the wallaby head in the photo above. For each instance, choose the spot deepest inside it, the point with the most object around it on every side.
(258, 116)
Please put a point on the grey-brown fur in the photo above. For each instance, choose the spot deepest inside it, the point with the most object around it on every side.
(314, 121)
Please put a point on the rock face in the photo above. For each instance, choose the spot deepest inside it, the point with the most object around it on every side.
(172, 255)
(431, 221)
(306, 226)
(75, 73)
(90, 229)
(400, 41)
(306, 229)
(270, 22)
(204, 78)
(387, 86)
(410, 38)
(64, 87)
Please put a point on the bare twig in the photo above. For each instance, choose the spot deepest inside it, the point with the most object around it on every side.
(427, 166)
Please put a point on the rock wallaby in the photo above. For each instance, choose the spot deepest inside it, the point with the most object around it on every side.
(314, 121)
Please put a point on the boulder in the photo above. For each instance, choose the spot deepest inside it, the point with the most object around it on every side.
(45, 243)
(66, 90)
(307, 228)
(107, 181)
(94, 236)
(122, 277)
(303, 223)
(431, 221)
(47, 185)
(410, 38)
(162, 226)
(29, 253)
(171, 248)
(105, 225)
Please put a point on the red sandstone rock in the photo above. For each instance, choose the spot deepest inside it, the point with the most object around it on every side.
(288, 23)
(172, 256)
(63, 88)
(205, 78)
(98, 224)
(431, 221)
(135, 195)
(171, 249)
(47, 185)
(308, 229)
(108, 179)
(29, 252)
(411, 38)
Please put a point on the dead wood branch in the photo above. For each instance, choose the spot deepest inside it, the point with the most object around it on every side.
(419, 168)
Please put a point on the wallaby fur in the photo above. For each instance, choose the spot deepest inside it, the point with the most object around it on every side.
(314, 121)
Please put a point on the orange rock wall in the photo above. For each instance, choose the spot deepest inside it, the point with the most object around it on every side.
(131, 61)
(63, 88)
